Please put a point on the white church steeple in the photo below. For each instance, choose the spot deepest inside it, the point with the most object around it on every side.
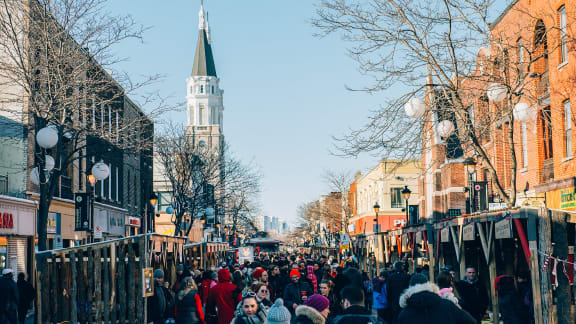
(204, 97)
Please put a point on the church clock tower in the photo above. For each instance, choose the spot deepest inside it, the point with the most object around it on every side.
(204, 96)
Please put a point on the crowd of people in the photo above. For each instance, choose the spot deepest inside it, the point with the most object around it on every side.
(302, 289)
(15, 297)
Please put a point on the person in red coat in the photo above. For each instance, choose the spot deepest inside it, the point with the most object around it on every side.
(223, 297)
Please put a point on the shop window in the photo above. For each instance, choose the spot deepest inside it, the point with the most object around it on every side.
(396, 198)
(563, 35)
(567, 128)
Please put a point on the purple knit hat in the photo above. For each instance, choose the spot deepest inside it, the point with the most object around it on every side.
(318, 302)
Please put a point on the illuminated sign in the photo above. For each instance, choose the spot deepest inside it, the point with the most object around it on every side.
(6, 220)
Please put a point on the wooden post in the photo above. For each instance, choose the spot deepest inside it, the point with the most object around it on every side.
(563, 294)
(105, 285)
(431, 254)
(90, 291)
(97, 285)
(131, 288)
(82, 286)
(142, 263)
(492, 272)
(545, 245)
(534, 267)
(55, 292)
(73, 289)
(113, 301)
(122, 274)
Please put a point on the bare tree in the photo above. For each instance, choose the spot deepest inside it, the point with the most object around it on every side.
(340, 181)
(448, 53)
(198, 177)
(55, 57)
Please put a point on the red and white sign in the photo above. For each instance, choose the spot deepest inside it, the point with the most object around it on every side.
(6, 220)
(98, 231)
(133, 221)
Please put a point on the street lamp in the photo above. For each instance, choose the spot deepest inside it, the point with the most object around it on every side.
(470, 165)
(100, 172)
(376, 210)
(406, 194)
(153, 200)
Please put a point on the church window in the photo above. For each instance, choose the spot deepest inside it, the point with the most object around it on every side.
(201, 115)
(212, 89)
(201, 89)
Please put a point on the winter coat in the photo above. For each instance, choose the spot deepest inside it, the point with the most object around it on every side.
(308, 315)
(223, 298)
(356, 315)
(422, 304)
(205, 289)
(380, 296)
(312, 277)
(26, 293)
(397, 283)
(157, 304)
(473, 297)
(8, 301)
(293, 294)
(189, 307)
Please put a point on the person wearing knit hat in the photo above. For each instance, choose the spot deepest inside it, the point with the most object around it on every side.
(315, 310)
(296, 292)
(278, 313)
(258, 273)
(417, 279)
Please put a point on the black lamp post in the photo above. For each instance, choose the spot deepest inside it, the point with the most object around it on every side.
(406, 194)
(150, 220)
(376, 210)
(470, 165)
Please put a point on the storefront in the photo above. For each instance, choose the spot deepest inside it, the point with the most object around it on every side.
(61, 221)
(17, 229)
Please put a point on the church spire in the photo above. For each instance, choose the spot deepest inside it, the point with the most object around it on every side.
(203, 59)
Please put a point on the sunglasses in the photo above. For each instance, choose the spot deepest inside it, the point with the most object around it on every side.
(249, 294)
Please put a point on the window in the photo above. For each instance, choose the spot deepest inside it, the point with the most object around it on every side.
(396, 198)
(110, 120)
(110, 182)
(471, 114)
(201, 115)
(117, 127)
(546, 120)
(438, 181)
(93, 112)
(212, 89)
(102, 119)
(524, 146)
(563, 35)
(202, 89)
(567, 128)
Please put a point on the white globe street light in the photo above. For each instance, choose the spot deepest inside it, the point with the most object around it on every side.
(49, 163)
(445, 128)
(415, 107)
(47, 137)
(100, 171)
(497, 92)
(522, 112)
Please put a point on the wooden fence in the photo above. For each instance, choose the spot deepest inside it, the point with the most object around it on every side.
(102, 282)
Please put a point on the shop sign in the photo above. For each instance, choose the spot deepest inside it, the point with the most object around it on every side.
(245, 253)
(469, 232)
(82, 209)
(497, 206)
(445, 234)
(132, 221)
(58, 242)
(503, 229)
(6, 221)
(53, 225)
(568, 198)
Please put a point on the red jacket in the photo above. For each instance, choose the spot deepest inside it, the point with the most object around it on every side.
(222, 297)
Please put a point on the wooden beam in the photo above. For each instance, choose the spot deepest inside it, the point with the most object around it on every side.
(73, 288)
(563, 291)
(534, 268)
(545, 245)
(493, 297)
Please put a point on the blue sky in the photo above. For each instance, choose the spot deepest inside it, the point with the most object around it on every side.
(284, 88)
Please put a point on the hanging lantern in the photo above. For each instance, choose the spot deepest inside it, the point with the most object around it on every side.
(47, 137)
(496, 92)
(445, 128)
(100, 171)
(522, 112)
(415, 107)
(49, 163)
(35, 176)
(169, 210)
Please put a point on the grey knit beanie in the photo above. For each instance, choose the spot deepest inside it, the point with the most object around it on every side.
(278, 314)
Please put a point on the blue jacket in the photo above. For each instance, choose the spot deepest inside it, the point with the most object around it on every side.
(380, 294)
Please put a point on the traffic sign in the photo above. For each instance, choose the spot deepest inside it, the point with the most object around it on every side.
(97, 232)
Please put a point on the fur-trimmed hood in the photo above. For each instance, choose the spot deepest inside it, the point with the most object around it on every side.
(431, 297)
(310, 313)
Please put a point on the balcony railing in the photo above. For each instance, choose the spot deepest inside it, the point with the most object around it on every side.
(547, 170)
(3, 185)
